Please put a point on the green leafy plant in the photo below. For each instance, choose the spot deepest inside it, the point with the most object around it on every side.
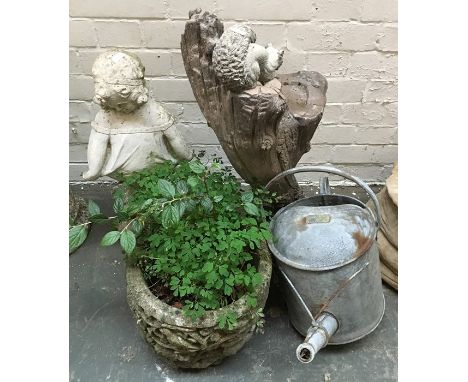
(78, 232)
(194, 232)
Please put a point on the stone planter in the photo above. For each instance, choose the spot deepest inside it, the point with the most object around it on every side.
(198, 344)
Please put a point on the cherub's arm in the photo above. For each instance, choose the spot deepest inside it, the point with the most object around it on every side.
(97, 148)
(178, 145)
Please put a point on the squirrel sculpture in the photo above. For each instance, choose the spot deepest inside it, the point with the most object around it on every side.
(240, 63)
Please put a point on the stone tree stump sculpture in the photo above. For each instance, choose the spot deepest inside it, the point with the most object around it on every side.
(263, 121)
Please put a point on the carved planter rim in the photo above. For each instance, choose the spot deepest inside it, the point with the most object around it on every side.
(139, 292)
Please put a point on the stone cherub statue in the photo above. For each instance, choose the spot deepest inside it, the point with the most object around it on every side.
(240, 64)
(131, 131)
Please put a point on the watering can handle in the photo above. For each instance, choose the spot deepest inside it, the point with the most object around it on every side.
(335, 171)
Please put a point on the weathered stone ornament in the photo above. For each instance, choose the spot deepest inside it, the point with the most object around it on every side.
(201, 343)
(131, 131)
(263, 121)
(241, 64)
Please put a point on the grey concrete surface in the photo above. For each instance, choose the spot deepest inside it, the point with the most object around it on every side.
(106, 346)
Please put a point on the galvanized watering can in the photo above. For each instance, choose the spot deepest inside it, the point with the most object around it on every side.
(325, 248)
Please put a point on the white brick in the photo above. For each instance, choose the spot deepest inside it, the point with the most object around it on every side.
(373, 65)
(384, 154)
(82, 60)
(119, 33)
(265, 9)
(87, 58)
(176, 109)
(348, 134)
(180, 9)
(156, 63)
(118, 8)
(367, 172)
(293, 62)
(379, 10)
(82, 33)
(387, 40)
(328, 64)
(163, 34)
(381, 91)
(198, 134)
(343, 90)
(177, 64)
(78, 153)
(376, 135)
(371, 114)
(274, 33)
(318, 154)
(333, 134)
(336, 10)
(332, 114)
(79, 132)
(74, 65)
(347, 36)
(81, 87)
(171, 89)
(80, 112)
(350, 154)
(192, 113)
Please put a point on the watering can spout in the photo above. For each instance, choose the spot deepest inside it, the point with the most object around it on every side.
(317, 337)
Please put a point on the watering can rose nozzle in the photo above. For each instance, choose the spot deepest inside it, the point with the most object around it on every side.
(317, 337)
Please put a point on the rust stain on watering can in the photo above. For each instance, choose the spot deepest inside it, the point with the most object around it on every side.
(363, 243)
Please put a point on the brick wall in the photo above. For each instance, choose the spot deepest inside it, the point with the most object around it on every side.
(351, 42)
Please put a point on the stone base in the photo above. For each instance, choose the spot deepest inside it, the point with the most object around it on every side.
(194, 344)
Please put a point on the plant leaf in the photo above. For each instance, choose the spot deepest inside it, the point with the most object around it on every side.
(218, 198)
(180, 206)
(251, 301)
(166, 188)
(223, 270)
(110, 238)
(207, 204)
(98, 218)
(197, 167)
(127, 241)
(251, 209)
(93, 208)
(118, 205)
(146, 204)
(192, 181)
(227, 290)
(182, 187)
(76, 236)
(247, 197)
(222, 321)
(256, 279)
(208, 267)
(170, 216)
(137, 227)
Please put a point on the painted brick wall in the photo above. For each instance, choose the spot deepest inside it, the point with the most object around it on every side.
(352, 42)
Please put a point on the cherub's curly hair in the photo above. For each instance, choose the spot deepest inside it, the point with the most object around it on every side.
(122, 73)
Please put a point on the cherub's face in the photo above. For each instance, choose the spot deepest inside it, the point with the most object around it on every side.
(117, 97)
